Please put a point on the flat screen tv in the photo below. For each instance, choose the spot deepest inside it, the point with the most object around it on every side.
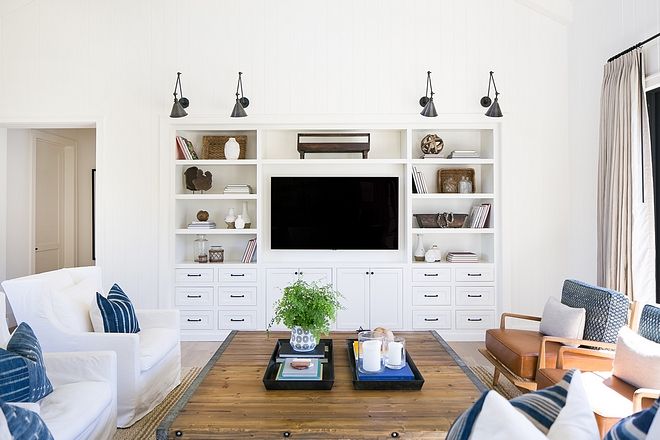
(335, 213)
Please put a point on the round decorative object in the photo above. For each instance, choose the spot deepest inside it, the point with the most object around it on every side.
(202, 216)
(432, 255)
(232, 149)
(239, 223)
(302, 340)
(432, 144)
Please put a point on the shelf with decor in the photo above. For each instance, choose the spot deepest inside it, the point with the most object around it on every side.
(208, 196)
(453, 231)
(433, 196)
(219, 162)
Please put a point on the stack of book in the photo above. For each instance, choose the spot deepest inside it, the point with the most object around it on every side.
(250, 253)
(186, 149)
(462, 257)
(201, 225)
(463, 154)
(433, 156)
(478, 216)
(286, 354)
(238, 189)
(419, 183)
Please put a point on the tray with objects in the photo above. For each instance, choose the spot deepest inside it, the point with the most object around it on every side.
(291, 370)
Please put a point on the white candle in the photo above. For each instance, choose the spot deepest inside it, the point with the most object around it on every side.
(371, 355)
(394, 353)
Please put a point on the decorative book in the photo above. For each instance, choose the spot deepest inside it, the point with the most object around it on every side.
(287, 372)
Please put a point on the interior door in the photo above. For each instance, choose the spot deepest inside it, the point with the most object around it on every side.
(353, 284)
(386, 298)
(276, 281)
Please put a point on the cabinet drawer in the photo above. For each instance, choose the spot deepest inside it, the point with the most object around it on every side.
(475, 296)
(431, 296)
(474, 320)
(475, 274)
(194, 296)
(238, 275)
(432, 319)
(196, 319)
(237, 296)
(435, 275)
(194, 275)
(237, 319)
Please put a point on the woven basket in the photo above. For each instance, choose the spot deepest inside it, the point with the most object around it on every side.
(213, 147)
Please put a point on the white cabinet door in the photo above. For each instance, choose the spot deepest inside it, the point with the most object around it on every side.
(276, 281)
(353, 284)
(386, 298)
(321, 276)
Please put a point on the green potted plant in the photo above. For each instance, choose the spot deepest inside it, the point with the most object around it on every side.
(307, 309)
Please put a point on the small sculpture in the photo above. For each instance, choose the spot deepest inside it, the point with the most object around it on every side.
(202, 216)
(432, 144)
(432, 255)
(190, 174)
(198, 180)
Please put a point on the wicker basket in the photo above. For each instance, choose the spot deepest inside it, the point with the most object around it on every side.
(455, 174)
(213, 147)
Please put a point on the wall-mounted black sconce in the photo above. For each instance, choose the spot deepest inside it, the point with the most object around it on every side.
(179, 104)
(494, 111)
(426, 101)
(242, 102)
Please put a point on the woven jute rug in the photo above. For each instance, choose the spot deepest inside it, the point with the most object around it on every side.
(504, 387)
(145, 428)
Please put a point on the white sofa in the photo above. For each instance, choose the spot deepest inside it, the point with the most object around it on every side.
(56, 305)
(83, 404)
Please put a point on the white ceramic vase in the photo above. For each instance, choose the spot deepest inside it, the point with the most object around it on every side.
(246, 217)
(232, 149)
(420, 251)
(230, 219)
(302, 340)
(239, 223)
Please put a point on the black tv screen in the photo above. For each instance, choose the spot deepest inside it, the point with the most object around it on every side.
(335, 213)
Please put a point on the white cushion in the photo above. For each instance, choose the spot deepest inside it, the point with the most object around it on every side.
(71, 305)
(561, 320)
(576, 419)
(155, 343)
(637, 360)
(95, 316)
(498, 420)
(71, 409)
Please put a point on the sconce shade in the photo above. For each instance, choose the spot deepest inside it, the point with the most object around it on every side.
(238, 111)
(179, 103)
(177, 110)
(426, 101)
(429, 109)
(241, 102)
(494, 111)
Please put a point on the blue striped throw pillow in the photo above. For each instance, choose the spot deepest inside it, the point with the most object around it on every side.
(22, 371)
(634, 427)
(117, 312)
(24, 424)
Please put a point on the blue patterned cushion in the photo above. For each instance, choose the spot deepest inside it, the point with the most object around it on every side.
(607, 310)
(24, 424)
(22, 371)
(649, 323)
(117, 312)
(461, 429)
(634, 427)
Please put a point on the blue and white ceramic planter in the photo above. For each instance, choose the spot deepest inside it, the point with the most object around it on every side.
(302, 340)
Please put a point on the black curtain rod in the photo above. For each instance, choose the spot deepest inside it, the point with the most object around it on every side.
(630, 49)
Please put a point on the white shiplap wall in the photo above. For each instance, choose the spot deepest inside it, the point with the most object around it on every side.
(117, 61)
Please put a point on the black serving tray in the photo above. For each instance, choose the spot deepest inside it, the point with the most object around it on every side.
(414, 384)
(326, 382)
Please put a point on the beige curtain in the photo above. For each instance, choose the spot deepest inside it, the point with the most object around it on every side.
(626, 233)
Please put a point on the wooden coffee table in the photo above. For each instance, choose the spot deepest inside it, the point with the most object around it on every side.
(228, 399)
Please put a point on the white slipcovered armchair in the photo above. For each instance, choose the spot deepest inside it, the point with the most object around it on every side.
(56, 305)
(83, 404)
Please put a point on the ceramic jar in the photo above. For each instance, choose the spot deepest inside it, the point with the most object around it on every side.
(432, 255)
(302, 340)
(230, 219)
(239, 223)
(232, 149)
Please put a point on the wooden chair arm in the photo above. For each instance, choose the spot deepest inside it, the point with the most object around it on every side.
(584, 351)
(517, 316)
(568, 341)
(641, 394)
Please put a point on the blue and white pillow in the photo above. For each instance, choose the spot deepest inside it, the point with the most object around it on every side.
(22, 424)
(22, 371)
(636, 426)
(116, 313)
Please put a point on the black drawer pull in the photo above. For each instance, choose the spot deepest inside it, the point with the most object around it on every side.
(474, 274)
(431, 296)
(237, 296)
(475, 296)
(236, 274)
(430, 274)
(194, 275)
(475, 319)
(431, 319)
(194, 320)
(237, 320)
(194, 296)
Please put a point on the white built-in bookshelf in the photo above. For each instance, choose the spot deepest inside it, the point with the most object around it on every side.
(385, 288)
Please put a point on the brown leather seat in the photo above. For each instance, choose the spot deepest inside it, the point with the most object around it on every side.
(547, 377)
(518, 350)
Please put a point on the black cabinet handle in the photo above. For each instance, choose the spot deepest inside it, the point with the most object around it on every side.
(194, 275)
(236, 274)
(237, 296)
(474, 274)
(300, 273)
(366, 273)
(474, 296)
(475, 319)
(372, 273)
(295, 273)
(194, 320)
(194, 296)
(430, 319)
(430, 274)
(431, 296)
(237, 320)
